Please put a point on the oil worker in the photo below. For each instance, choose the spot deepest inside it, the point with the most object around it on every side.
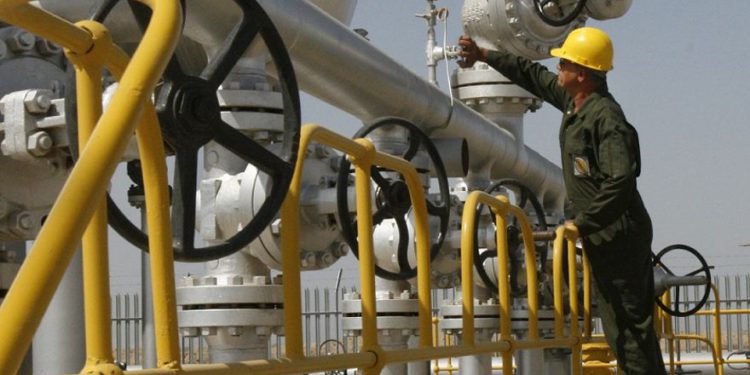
(600, 163)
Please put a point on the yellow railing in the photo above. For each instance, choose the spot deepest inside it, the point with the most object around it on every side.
(89, 47)
(715, 345)
(502, 208)
(80, 208)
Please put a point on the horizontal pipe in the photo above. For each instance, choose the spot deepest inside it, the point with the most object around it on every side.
(275, 367)
(342, 68)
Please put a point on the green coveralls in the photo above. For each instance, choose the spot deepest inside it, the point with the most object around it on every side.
(600, 163)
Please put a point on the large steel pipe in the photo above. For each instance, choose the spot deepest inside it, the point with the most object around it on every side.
(342, 68)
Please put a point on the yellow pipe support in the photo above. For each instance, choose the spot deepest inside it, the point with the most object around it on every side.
(42, 270)
(717, 361)
(531, 277)
(154, 169)
(501, 236)
(468, 223)
(273, 367)
(290, 231)
(586, 297)
(573, 301)
(363, 155)
(424, 354)
(557, 280)
(46, 25)
(717, 325)
(362, 176)
(422, 237)
(95, 258)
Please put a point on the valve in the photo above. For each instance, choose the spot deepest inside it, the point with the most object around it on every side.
(392, 198)
(558, 13)
(190, 116)
(665, 278)
(522, 197)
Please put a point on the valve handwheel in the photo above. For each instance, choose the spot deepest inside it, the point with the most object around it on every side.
(703, 270)
(523, 197)
(190, 116)
(392, 199)
(567, 11)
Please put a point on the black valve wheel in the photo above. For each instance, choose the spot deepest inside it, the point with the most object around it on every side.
(677, 308)
(190, 116)
(392, 199)
(522, 197)
(558, 12)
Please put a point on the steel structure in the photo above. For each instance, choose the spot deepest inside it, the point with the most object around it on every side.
(220, 80)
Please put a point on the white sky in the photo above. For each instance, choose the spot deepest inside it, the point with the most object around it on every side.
(680, 78)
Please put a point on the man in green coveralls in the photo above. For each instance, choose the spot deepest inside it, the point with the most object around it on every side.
(600, 163)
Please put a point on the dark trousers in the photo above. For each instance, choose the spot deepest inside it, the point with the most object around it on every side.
(625, 302)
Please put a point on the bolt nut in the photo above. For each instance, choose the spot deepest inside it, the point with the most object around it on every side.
(188, 281)
(208, 331)
(208, 280)
(383, 295)
(307, 259)
(235, 331)
(278, 279)
(189, 332)
(260, 280)
(37, 101)
(326, 260)
(263, 331)
(276, 227)
(39, 143)
(21, 41)
(47, 48)
(234, 280)
(24, 222)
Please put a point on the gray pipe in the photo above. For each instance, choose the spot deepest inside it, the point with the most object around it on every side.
(342, 68)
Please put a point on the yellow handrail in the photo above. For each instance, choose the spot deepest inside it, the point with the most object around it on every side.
(563, 237)
(42, 270)
(363, 155)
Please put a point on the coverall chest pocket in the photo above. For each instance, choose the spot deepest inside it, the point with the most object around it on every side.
(582, 159)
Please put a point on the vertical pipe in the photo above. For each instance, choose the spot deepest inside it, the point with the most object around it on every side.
(62, 327)
(338, 315)
(147, 328)
(573, 290)
(468, 221)
(366, 256)
(23, 308)
(503, 287)
(586, 296)
(95, 257)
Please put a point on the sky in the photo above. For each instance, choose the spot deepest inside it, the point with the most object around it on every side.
(679, 77)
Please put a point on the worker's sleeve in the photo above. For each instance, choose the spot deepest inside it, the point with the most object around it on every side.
(533, 77)
(618, 164)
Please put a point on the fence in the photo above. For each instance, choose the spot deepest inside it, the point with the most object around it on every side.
(323, 334)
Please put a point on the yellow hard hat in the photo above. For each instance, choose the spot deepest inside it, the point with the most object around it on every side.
(588, 47)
